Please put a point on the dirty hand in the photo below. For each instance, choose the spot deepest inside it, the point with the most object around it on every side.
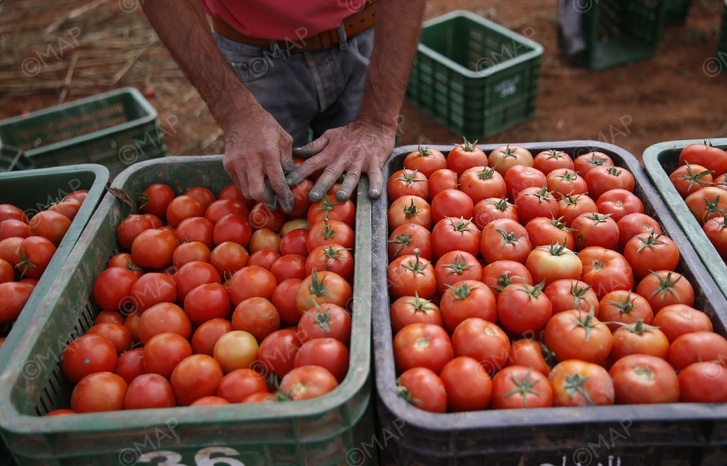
(360, 147)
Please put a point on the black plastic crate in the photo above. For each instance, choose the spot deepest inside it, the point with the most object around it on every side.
(619, 435)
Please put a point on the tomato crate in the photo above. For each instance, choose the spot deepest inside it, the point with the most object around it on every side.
(615, 32)
(114, 129)
(474, 76)
(323, 431)
(617, 435)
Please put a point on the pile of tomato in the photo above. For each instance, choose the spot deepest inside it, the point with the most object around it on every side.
(214, 299)
(700, 181)
(27, 245)
(522, 280)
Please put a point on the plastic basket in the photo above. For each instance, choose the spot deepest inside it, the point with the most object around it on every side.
(114, 129)
(322, 431)
(625, 435)
(618, 32)
(474, 76)
(677, 11)
(14, 159)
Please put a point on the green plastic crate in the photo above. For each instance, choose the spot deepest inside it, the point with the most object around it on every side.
(618, 32)
(114, 129)
(325, 431)
(677, 11)
(659, 161)
(14, 159)
(474, 76)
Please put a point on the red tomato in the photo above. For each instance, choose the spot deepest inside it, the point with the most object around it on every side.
(329, 353)
(302, 201)
(570, 207)
(332, 209)
(150, 289)
(112, 289)
(410, 275)
(154, 249)
(595, 229)
(664, 287)
(195, 377)
(295, 242)
(648, 251)
(332, 257)
(330, 232)
(426, 160)
(409, 209)
(289, 266)
(251, 281)
(523, 309)
(227, 258)
(231, 227)
(277, 351)
(713, 158)
(633, 224)
(585, 162)
(689, 178)
(207, 301)
(423, 388)
(536, 202)
(206, 335)
(164, 317)
(543, 231)
(520, 177)
(241, 383)
(605, 270)
(182, 207)
(256, 316)
(504, 239)
(518, 387)
(707, 203)
(565, 181)
(454, 266)
(237, 349)
(468, 386)
(716, 231)
(442, 179)
(548, 160)
(624, 307)
(451, 203)
(195, 229)
(502, 273)
(33, 256)
(484, 341)
(124, 260)
(86, 355)
(130, 364)
(453, 234)
(13, 297)
(262, 217)
(116, 333)
(408, 237)
(695, 347)
(531, 354)
(644, 379)
(407, 182)
(283, 298)
(13, 228)
(580, 383)
(320, 288)
(619, 202)
(677, 319)
(491, 209)
(188, 252)
(156, 199)
(464, 156)
(191, 275)
(263, 258)
(327, 320)
(422, 345)
(555, 262)
(215, 400)
(264, 239)
(306, 382)
(129, 228)
(703, 382)
(578, 335)
(604, 178)
(505, 157)
(465, 299)
(566, 295)
(412, 310)
(223, 207)
(482, 183)
(149, 391)
(9, 211)
(639, 339)
(100, 391)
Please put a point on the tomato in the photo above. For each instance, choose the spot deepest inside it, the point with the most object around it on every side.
(156, 222)
(306, 382)
(124, 259)
(264, 258)
(491, 209)
(423, 388)
(531, 354)
(454, 266)
(664, 287)
(100, 391)
(324, 321)
(188, 252)
(50, 225)
(644, 379)
(295, 224)
(570, 207)
(464, 156)
(264, 239)
(130, 364)
(468, 386)
(164, 317)
(413, 309)
(716, 231)
(677, 319)
(605, 270)
(257, 316)
(586, 162)
(332, 209)
(484, 341)
(8, 246)
(465, 299)
(207, 301)
(236, 349)
(624, 307)
(153, 249)
(330, 232)
(194, 377)
(191, 275)
(332, 257)
(708, 202)
(442, 179)
(543, 231)
(482, 183)
(555, 262)
(213, 400)
(183, 206)
(129, 228)
(295, 242)
(329, 353)
(639, 338)
(523, 309)
(548, 160)
(237, 385)
(422, 345)
(426, 160)
(9, 211)
(221, 208)
(227, 258)
(291, 266)
(116, 333)
(520, 177)
(689, 178)
(451, 203)
(202, 193)
(693, 347)
(565, 181)
(504, 157)
(633, 224)
(251, 281)
(407, 182)
(150, 289)
(149, 391)
(13, 228)
(502, 273)
(580, 383)
(578, 335)
(703, 382)
(283, 298)
(231, 227)
(132, 323)
(504, 239)
(277, 351)
(518, 387)
(155, 199)
(206, 335)
(604, 178)
(302, 202)
(262, 217)
(408, 237)
(69, 208)
(618, 203)
(322, 287)
(86, 355)
(595, 229)
(410, 275)
(450, 234)
(13, 297)
(261, 397)
(115, 317)
(648, 251)
(536, 202)
(112, 289)
(713, 158)
(33, 256)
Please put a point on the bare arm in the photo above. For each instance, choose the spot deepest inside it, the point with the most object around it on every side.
(256, 147)
(364, 145)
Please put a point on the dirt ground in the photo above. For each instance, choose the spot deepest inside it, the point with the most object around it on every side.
(59, 51)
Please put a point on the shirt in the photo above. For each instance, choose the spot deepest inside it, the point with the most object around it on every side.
(281, 19)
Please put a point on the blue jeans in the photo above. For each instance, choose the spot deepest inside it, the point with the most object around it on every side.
(306, 92)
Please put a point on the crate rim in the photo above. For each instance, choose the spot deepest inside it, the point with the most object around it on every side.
(144, 419)
(429, 52)
(554, 416)
(151, 115)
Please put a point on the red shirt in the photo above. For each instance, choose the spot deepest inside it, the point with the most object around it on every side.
(281, 19)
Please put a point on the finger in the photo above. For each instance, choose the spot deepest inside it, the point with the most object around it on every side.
(327, 179)
(256, 187)
(286, 161)
(238, 177)
(311, 149)
(269, 194)
(280, 188)
(376, 182)
(349, 184)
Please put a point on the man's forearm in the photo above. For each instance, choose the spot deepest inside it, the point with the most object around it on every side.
(398, 25)
(183, 28)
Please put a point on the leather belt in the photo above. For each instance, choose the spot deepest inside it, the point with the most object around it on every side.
(354, 24)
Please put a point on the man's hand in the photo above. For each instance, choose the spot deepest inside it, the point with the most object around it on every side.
(359, 147)
(256, 157)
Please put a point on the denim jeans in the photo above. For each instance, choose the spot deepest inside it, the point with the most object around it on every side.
(306, 92)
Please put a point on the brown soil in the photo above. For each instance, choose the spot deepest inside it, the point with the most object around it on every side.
(667, 97)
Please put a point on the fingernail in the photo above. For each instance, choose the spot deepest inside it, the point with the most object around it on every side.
(291, 180)
(374, 194)
(342, 195)
(315, 196)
